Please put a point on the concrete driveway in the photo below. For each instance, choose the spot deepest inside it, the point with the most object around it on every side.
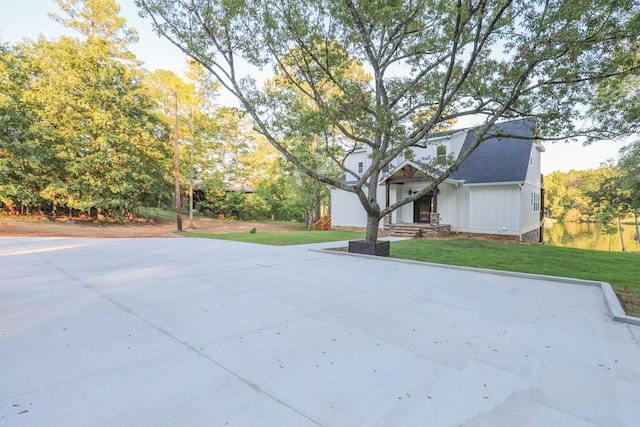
(194, 332)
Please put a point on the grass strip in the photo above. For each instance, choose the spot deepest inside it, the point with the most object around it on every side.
(276, 238)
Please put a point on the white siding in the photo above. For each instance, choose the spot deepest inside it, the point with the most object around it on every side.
(463, 211)
(491, 210)
(533, 173)
(448, 198)
(353, 160)
(405, 212)
(346, 210)
(429, 153)
(530, 218)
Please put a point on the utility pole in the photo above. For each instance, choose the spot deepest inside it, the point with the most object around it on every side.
(193, 143)
(176, 161)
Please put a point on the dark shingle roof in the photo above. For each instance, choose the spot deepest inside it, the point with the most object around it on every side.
(504, 157)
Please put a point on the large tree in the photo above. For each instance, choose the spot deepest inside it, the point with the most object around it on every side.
(430, 62)
(23, 159)
(611, 202)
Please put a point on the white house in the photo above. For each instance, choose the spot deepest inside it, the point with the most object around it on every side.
(497, 189)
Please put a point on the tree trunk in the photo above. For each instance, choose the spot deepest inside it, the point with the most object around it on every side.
(309, 218)
(373, 222)
(624, 249)
(176, 164)
(191, 203)
(635, 216)
(318, 208)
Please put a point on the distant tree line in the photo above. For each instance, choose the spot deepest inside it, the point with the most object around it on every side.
(608, 195)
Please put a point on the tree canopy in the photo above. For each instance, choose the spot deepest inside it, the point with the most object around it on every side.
(79, 128)
(422, 65)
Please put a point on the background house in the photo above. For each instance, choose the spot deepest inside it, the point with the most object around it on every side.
(497, 190)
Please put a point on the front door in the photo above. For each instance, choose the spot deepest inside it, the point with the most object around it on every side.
(422, 209)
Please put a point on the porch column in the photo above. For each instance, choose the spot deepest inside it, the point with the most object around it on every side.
(386, 183)
(435, 200)
(386, 223)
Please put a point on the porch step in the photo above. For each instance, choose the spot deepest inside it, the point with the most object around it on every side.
(412, 231)
(406, 230)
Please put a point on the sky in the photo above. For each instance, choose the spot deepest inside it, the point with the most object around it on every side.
(30, 19)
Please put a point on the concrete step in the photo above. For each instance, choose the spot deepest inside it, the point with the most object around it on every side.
(406, 231)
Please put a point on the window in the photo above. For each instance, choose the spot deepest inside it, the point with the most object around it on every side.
(441, 158)
(535, 201)
(360, 167)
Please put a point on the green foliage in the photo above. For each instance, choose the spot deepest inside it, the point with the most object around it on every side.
(233, 206)
(617, 102)
(629, 166)
(569, 195)
(98, 19)
(80, 131)
(255, 207)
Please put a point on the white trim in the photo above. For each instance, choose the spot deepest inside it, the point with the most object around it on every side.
(519, 211)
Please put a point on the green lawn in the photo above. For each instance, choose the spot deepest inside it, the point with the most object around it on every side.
(620, 269)
(284, 238)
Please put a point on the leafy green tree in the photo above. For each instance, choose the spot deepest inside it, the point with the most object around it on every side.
(499, 59)
(98, 19)
(612, 202)
(617, 102)
(102, 126)
(629, 165)
(555, 188)
(22, 157)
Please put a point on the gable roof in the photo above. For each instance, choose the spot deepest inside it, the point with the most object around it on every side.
(409, 168)
(503, 157)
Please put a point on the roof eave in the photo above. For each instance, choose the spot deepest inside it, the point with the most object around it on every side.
(477, 184)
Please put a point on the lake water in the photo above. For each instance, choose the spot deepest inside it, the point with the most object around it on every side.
(588, 236)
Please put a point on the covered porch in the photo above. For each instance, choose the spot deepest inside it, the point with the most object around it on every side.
(403, 182)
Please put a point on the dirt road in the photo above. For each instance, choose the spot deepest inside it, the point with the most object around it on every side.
(77, 229)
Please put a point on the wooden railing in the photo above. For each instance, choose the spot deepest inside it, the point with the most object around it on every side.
(323, 223)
